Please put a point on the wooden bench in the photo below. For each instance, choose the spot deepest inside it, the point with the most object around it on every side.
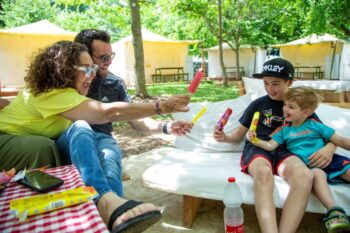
(308, 72)
(164, 74)
(231, 71)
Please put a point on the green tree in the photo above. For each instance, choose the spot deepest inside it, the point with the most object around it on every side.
(331, 16)
(21, 12)
(138, 49)
(104, 14)
(236, 17)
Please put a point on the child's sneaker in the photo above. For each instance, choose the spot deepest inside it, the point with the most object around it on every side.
(336, 220)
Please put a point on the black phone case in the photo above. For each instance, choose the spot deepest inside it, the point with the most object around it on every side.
(42, 182)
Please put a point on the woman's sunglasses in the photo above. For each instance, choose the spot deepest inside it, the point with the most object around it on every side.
(88, 69)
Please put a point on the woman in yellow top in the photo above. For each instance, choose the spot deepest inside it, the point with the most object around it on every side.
(54, 105)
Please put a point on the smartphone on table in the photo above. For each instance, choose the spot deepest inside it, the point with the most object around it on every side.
(40, 181)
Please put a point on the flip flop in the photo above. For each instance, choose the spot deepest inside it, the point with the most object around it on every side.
(135, 224)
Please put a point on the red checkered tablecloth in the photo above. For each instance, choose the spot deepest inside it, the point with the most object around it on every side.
(79, 218)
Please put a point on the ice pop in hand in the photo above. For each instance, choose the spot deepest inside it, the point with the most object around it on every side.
(192, 88)
(224, 118)
(199, 114)
(255, 121)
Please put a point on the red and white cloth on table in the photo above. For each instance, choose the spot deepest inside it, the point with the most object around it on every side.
(79, 218)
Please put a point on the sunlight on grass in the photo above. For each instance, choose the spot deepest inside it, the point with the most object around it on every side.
(206, 91)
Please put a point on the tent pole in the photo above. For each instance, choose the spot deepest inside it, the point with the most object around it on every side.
(334, 46)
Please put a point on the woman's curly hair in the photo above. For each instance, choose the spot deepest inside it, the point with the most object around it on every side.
(53, 67)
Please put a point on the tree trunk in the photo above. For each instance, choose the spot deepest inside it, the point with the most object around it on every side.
(138, 49)
(238, 75)
(220, 44)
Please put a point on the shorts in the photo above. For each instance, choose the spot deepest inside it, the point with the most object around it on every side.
(275, 158)
(27, 151)
(339, 165)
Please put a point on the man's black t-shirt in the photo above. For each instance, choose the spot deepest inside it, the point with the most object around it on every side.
(109, 89)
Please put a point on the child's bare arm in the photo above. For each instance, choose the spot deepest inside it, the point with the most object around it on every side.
(266, 145)
(235, 137)
(340, 141)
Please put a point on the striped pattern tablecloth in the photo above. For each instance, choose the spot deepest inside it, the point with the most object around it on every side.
(79, 218)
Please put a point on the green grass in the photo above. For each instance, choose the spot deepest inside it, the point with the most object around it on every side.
(206, 91)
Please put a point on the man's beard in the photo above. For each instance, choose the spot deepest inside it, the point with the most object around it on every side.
(101, 74)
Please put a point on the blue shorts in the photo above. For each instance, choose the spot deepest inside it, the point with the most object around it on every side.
(275, 158)
(339, 165)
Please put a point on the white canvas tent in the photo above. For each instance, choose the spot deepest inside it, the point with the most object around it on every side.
(250, 57)
(159, 51)
(327, 51)
(17, 46)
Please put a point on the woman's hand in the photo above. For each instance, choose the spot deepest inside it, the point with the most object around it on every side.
(176, 103)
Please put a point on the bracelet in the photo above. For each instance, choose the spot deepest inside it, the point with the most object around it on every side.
(165, 128)
(158, 111)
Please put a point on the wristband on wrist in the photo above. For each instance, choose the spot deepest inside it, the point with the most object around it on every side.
(165, 128)
(158, 111)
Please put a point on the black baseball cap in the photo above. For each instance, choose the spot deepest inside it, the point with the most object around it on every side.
(278, 68)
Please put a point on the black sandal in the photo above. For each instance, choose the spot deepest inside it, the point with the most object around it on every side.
(336, 220)
(136, 224)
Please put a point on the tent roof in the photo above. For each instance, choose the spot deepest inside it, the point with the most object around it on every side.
(42, 28)
(148, 36)
(226, 46)
(311, 39)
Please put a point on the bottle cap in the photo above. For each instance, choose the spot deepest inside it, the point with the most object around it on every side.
(231, 179)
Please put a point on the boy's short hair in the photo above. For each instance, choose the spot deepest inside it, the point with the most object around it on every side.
(304, 97)
(278, 68)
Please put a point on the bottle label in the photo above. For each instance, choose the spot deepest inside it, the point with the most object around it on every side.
(235, 229)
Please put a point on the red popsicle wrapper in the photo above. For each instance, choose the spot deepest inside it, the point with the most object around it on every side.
(196, 81)
(224, 118)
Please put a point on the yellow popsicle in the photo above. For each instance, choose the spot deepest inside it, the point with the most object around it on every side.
(255, 121)
(199, 114)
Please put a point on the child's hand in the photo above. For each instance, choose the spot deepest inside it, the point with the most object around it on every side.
(251, 136)
(218, 135)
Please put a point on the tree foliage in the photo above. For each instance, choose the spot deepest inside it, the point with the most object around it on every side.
(332, 16)
(21, 12)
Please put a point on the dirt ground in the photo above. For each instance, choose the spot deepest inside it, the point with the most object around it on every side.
(133, 143)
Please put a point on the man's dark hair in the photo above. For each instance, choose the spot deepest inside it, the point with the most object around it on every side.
(86, 37)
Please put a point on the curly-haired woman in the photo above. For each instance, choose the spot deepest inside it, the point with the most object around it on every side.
(54, 105)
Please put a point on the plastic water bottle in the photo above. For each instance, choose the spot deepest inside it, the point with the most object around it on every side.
(233, 213)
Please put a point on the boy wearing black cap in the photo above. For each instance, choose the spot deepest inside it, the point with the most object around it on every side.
(261, 165)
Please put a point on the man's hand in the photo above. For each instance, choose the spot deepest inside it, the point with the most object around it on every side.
(218, 134)
(323, 157)
(179, 128)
